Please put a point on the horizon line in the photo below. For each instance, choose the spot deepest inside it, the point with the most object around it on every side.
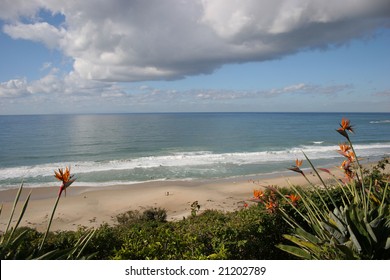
(195, 112)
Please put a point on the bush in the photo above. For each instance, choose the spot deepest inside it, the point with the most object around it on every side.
(155, 215)
(25, 248)
(130, 217)
(247, 234)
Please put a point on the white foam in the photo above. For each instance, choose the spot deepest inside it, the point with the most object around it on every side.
(190, 159)
(382, 121)
(88, 184)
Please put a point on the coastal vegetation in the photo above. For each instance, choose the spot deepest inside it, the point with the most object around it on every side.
(347, 218)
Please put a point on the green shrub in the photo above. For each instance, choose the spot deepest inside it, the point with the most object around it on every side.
(154, 215)
(251, 233)
(25, 248)
(145, 241)
(130, 217)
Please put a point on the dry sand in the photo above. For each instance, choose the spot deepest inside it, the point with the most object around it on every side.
(90, 207)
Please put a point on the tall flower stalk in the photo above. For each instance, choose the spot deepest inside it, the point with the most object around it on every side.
(12, 244)
(67, 179)
(348, 151)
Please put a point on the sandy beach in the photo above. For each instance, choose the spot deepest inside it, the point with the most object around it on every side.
(90, 207)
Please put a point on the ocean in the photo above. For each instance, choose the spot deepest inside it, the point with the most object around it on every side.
(110, 149)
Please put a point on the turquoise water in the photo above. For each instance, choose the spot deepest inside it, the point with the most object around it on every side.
(128, 148)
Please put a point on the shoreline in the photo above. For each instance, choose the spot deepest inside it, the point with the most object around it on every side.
(93, 206)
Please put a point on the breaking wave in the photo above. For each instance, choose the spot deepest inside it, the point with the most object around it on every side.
(382, 121)
(190, 160)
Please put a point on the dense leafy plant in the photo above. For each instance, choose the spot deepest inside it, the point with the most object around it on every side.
(246, 234)
(357, 228)
(250, 233)
(148, 215)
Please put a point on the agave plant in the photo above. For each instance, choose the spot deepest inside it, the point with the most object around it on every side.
(357, 229)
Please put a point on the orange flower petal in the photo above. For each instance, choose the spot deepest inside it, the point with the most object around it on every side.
(346, 125)
(298, 163)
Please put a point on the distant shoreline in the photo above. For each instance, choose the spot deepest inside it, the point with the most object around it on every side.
(92, 206)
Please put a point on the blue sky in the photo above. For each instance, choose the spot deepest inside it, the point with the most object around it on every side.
(206, 55)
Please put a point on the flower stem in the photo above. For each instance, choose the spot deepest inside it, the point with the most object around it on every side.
(361, 179)
(50, 220)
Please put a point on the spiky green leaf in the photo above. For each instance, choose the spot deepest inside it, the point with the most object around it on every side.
(337, 222)
(355, 218)
(334, 232)
(387, 246)
(20, 218)
(377, 221)
(354, 240)
(313, 247)
(308, 236)
(14, 206)
(370, 231)
(296, 251)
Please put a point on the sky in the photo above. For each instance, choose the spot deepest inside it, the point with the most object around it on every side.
(123, 56)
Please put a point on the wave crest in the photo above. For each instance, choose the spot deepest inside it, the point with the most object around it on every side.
(192, 159)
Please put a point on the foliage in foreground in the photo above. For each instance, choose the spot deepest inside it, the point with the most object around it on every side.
(250, 233)
(358, 227)
(25, 243)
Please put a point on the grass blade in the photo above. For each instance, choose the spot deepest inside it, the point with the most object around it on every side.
(14, 207)
(20, 217)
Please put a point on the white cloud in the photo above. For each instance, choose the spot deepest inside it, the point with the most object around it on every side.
(58, 93)
(14, 88)
(54, 86)
(153, 40)
(72, 87)
(308, 89)
(39, 32)
(152, 95)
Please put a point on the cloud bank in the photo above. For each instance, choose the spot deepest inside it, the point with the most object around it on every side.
(53, 87)
(126, 41)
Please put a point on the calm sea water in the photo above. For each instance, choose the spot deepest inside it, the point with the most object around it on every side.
(128, 148)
